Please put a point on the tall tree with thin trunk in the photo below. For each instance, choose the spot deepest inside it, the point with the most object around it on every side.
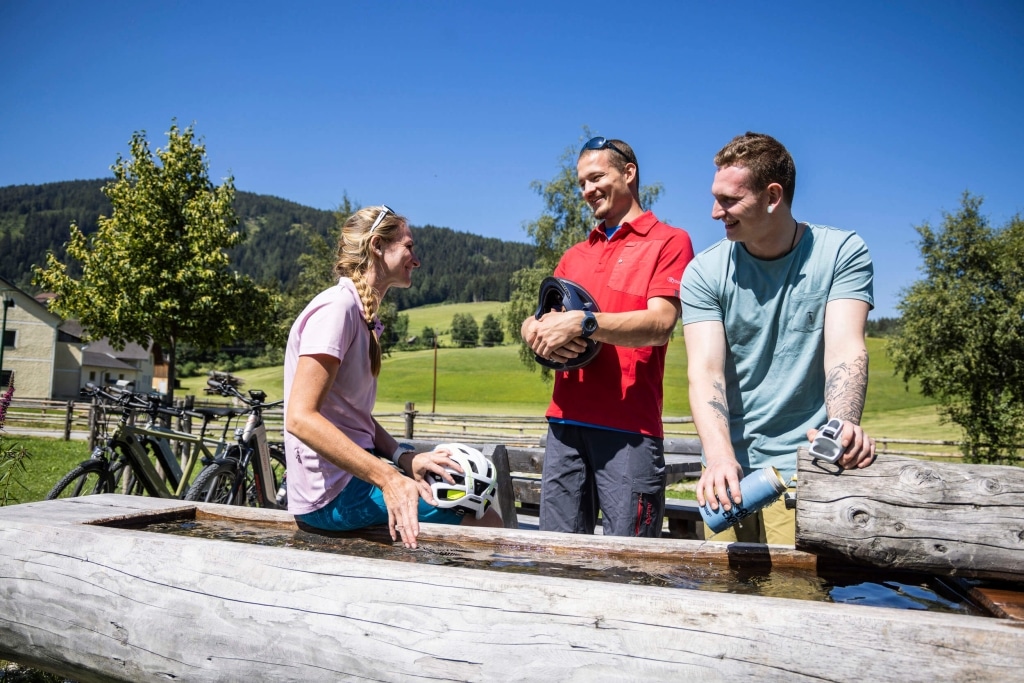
(157, 268)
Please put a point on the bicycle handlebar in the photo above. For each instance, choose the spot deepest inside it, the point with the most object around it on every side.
(150, 403)
(257, 398)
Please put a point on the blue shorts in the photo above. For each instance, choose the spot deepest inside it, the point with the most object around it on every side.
(361, 504)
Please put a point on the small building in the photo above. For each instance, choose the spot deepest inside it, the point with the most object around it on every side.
(52, 359)
(29, 343)
(101, 363)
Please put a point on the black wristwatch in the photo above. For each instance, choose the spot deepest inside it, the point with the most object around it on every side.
(589, 324)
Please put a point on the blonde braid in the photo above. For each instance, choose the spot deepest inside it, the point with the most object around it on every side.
(355, 257)
(371, 302)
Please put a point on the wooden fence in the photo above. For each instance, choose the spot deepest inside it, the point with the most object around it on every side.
(79, 419)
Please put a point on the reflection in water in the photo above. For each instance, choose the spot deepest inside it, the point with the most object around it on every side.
(910, 592)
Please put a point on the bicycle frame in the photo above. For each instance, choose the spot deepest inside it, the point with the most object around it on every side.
(175, 483)
(129, 443)
(228, 480)
(255, 431)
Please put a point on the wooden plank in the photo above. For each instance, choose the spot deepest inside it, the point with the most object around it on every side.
(684, 520)
(679, 508)
(506, 494)
(531, 461)
(1002, 602)
(100, 603)
(527, 491)
(526, 460)
(939, 518)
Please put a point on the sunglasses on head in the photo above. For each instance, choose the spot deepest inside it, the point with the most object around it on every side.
(384, 211)
(598, 143)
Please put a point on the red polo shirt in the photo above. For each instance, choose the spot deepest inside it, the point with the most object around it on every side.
(622, 387)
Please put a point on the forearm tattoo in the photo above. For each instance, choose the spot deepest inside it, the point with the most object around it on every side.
(845, 388)
(718, 403)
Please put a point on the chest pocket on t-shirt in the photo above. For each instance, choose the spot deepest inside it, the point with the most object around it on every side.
(807, 312)
(634, 267)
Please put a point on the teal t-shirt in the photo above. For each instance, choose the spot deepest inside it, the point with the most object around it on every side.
(774, 315)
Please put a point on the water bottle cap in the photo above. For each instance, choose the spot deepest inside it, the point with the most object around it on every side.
(776, 480)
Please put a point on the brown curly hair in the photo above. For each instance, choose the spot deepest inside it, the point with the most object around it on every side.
(768, 160)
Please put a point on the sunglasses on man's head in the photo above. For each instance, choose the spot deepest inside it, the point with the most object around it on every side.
(598, 143)
(384, 211)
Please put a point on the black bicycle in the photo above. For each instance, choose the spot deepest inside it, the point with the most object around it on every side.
(252, 471)
(138, 458)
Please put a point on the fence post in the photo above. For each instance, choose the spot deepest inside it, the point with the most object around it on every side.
(185, 423)
(410, 418)
(67, 420)
(94, 422)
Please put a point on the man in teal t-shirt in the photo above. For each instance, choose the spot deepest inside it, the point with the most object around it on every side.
(773, 318)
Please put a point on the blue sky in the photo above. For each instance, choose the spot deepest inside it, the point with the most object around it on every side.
(447, 111)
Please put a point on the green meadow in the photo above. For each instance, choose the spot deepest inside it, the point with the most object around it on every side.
(493, 381)
(438, 317)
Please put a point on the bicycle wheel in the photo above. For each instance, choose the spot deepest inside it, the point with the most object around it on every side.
(86, 479)
(215, 484)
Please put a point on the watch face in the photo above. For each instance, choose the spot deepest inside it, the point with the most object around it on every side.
(589, 324)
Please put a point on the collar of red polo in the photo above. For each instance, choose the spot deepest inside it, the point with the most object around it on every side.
(641, 225)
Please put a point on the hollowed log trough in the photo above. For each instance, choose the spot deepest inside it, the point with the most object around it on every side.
(99, 602)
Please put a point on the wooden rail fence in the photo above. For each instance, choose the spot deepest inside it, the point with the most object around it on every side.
(83, 420)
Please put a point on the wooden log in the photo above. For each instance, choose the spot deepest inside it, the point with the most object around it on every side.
(940, 518)
(104, 603)
(503, 480)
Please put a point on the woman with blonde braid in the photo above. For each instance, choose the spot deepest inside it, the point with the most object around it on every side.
(336, 481)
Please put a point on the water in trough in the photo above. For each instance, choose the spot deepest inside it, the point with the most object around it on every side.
(862, 586)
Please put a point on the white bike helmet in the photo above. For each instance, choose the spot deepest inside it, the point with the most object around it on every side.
(473, 490)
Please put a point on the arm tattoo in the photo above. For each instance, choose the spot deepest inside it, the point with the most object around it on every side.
(846, 385)
(718, 403)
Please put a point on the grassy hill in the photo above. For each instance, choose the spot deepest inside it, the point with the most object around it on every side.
(492, 380)
(439, 317)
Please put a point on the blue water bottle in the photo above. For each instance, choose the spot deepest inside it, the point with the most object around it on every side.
(758, 489)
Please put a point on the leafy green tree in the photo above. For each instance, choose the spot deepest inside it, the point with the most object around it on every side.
(316, 267)
(465, 332)
(157, 269)
(427, 337)
(566, 220)
(962, 332)
(396, 327)
(491, 333)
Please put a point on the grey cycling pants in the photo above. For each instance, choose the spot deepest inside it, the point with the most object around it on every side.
(587, 469)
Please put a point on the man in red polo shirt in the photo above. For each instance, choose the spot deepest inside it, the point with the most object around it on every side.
(604, 447)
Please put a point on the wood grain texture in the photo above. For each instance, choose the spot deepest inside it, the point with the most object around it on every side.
(940, 518)
(101, 603)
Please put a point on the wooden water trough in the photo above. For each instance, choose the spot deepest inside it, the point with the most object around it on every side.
(84, 594)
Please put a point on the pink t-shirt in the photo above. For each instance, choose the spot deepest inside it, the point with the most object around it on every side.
(333, 324)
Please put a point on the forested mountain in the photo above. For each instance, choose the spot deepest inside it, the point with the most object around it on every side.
(457, 266)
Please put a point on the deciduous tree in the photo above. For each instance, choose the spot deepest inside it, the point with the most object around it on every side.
(465, 331)
(316, 267)
(157, 269)
(396, 327)
(491, 333)
(962, 332)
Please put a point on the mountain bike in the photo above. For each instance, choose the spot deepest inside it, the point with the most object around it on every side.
(138, 459)
(252, 471)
